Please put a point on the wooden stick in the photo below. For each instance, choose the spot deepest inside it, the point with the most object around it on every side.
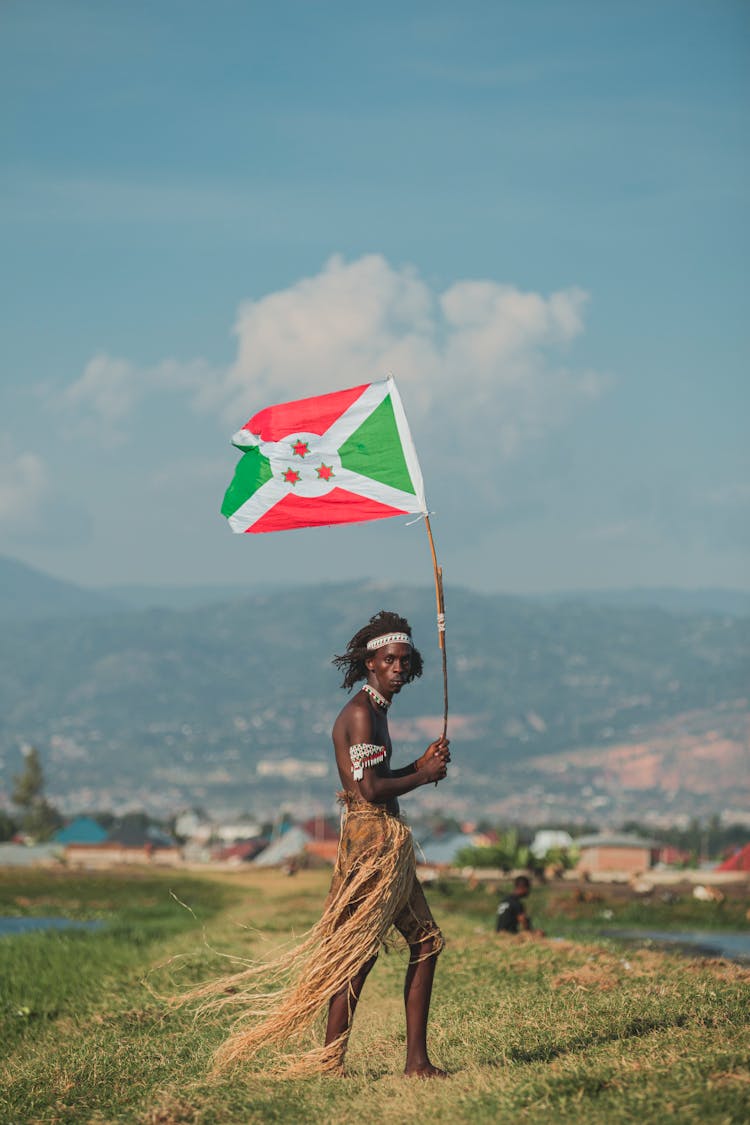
(440, 599)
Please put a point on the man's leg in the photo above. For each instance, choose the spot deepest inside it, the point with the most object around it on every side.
(342, 1005)
(417, 993)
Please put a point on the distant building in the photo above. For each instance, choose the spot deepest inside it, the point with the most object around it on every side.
(441, 851)
(324, 851)
(322, 828)
(29, 855)
(241, 852)
(740, 861)
(110, 853)
(289, 846)
(134, 836)
(231, 832)
(126, 845)
(616, 854)
(190, 824)
(82, 830)
(548, 838)
(670, 856)
(323, 845)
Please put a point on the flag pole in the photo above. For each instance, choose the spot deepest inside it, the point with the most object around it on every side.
(440, 599)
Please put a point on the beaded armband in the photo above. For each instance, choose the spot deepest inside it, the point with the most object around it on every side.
(365, 754)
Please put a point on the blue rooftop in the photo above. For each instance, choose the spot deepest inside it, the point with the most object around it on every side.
(82, 830)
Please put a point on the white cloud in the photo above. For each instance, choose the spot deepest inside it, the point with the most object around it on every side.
(480, 364)
(23, 478)
(479, 353)
(110, 388)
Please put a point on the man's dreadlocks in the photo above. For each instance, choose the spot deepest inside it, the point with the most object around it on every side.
(352, 663)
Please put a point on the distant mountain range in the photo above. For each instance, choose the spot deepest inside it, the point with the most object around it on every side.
(735, 603)
(30, 594)
(27, 594)
(231, 702)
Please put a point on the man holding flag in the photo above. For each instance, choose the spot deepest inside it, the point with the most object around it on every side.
(374, 840)
(341, 458)
(374, 890)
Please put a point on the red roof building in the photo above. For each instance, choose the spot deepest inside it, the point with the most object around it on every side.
(322, 828)
(325, 850)
(740, 861)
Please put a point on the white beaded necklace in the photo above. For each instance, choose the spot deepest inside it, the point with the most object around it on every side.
(377, 697)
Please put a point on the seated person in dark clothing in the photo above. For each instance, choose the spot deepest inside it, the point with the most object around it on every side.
(511, 913)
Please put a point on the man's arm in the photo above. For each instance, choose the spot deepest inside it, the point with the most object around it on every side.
(378, 789)
(405, 771)
(438, 748)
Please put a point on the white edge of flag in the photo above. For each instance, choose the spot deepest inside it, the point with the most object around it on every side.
(407, 444)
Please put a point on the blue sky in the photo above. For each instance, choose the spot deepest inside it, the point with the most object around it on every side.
(181, 182)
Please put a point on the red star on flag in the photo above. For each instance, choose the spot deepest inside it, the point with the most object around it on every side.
(300, 448)
(291, 476)
(325, 472)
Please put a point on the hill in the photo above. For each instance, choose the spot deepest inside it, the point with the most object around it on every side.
(735, 603)
(27, 594)
(144, 596)
(233, 703)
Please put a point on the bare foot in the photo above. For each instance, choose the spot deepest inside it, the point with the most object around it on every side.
(426, 1071)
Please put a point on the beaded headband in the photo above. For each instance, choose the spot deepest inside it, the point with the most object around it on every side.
(389, 639)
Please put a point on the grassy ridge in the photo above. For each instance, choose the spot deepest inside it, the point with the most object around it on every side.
(539, 1031)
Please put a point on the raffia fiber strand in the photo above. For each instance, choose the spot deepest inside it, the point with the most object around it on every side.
(282, 999)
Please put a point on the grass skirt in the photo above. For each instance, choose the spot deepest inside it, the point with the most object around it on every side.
(373, 890)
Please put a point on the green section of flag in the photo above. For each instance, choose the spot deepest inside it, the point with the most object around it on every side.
(252, 472)
(374, 450)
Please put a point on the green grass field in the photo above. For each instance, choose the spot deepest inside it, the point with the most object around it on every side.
(536, 1031)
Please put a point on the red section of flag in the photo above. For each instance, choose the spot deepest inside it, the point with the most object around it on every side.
(310, 415)
(336, 506)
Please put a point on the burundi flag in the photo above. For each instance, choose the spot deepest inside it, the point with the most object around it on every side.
(338, 458)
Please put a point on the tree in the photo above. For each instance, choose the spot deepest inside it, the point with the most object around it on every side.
(40, 818)
(29, 784)
(506, 854)
(8, 826)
